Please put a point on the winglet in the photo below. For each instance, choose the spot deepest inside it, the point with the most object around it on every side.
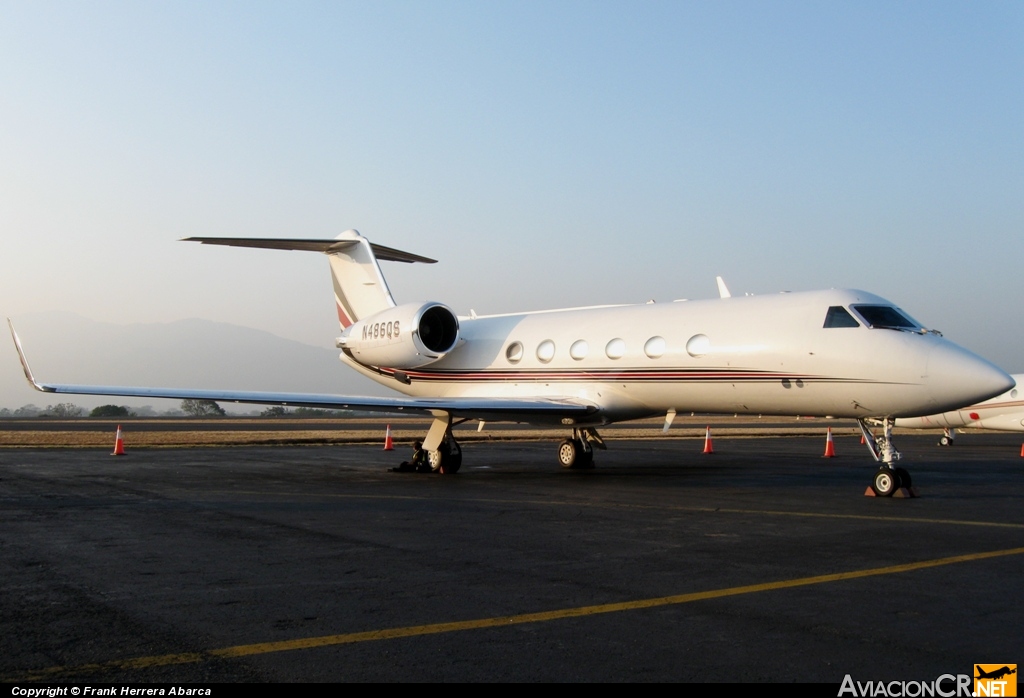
(24, 361)
(723, 291)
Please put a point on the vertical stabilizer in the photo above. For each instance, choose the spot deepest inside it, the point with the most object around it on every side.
(359, 286)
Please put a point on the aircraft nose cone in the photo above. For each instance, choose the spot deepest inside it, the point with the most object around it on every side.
(959, 378)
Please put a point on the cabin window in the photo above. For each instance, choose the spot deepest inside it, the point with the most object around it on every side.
(655, 347)
(838, 316)
(698, 345)
(1013, 393)
(885, 317)
(546, 351)
(579, 349)
(616, 348)
(514, 353)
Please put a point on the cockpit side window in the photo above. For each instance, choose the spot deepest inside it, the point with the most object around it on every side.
(838, 316)
(885, 317)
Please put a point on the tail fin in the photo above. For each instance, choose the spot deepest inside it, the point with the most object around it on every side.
(359, 286)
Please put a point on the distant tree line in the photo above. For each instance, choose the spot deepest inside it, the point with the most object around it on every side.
(303, 412)
(111, 411)
(188, 408)
(67, 410)
(202, 408)
(62, 410)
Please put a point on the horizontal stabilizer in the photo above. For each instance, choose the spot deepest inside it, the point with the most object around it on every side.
(313, 245)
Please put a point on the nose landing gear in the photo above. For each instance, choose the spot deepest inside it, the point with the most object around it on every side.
(889, 481)
(948, 436)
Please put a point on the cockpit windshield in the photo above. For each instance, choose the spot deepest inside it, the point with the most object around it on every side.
(885, 317)
(838, 316)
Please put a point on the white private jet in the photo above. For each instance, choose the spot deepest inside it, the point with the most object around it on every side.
(839, 353)
(1002, 413)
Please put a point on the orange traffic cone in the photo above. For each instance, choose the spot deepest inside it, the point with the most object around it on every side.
(830, 449)
(1022, 450)
(862, 439)
(118, 443)
(708, 448)
(388, 444)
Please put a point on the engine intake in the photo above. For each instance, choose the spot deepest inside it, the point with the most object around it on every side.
(438, 329)
(404, 337)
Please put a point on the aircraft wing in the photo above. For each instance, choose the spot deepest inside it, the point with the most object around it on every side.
(490, 409)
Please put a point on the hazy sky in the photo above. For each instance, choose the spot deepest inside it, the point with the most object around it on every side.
(549, 154)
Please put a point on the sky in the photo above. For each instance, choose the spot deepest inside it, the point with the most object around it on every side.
(549, 154)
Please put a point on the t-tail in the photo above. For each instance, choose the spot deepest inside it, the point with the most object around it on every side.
(359, 286)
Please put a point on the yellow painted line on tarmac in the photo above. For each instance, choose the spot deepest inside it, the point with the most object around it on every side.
(496, 622)
(652, 507)
(866, 517)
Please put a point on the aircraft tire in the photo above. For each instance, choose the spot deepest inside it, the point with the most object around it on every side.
(585, 457)
(945, 441)
(568, 453)
(452, 461)
(885, 482)
(435, 459)
(904, 475)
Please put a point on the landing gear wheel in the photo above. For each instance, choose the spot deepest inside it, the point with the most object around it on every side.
(447, 459)
(435, 459)
(904, 477)
(451, 463)
(886, 482)
(945, 441)
(572, 453)
(568, 453)
(585, 460)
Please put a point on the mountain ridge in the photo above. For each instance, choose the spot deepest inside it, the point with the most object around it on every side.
(64, 347)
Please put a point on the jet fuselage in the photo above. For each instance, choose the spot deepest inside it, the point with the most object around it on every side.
(769, 354)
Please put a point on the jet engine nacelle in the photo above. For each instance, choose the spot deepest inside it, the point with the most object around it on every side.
(407, 336)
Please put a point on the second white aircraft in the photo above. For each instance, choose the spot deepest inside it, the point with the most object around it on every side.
(1002, 413)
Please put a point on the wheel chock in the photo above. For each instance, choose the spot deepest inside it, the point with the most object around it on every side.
(901, 493)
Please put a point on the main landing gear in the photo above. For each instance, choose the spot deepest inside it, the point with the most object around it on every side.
(578, 452)
(447, 458)
(439, 452)
(888, 479)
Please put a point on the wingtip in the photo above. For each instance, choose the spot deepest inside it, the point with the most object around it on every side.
(24, 360)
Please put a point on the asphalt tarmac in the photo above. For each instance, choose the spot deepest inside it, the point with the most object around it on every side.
(762, 562)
